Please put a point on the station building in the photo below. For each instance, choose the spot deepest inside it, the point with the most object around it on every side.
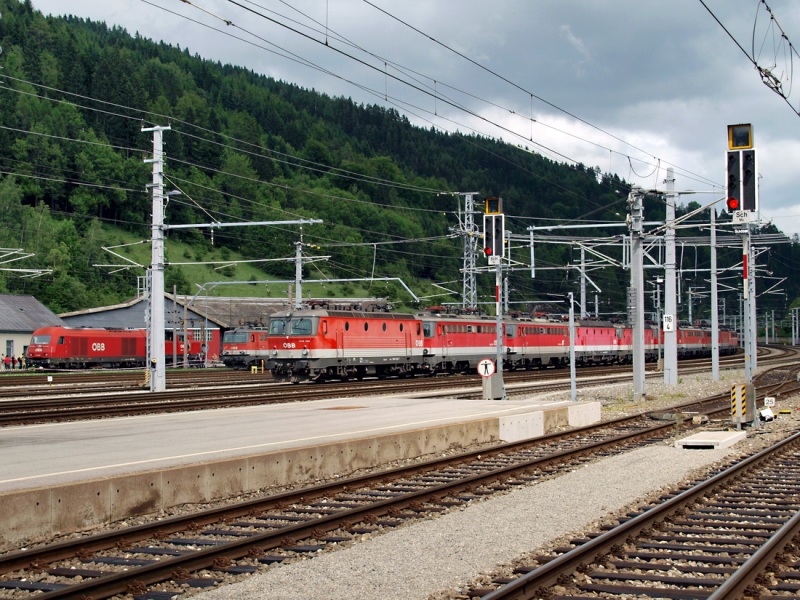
(20, 316)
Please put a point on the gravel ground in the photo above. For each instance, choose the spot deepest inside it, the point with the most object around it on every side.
(437, 558)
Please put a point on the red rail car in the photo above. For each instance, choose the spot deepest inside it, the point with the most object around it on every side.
(85, 348)
(320, 345)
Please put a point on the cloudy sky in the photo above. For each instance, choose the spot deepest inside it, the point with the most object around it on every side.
(628, 86)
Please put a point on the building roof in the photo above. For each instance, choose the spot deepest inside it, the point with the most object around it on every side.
(231, 312)
(224, 312)
(24, 314)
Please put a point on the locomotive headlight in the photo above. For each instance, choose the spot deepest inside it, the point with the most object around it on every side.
(305, 351)
(274, 353)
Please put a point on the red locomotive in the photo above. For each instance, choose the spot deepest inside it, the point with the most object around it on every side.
(320, 345)
(84, 348)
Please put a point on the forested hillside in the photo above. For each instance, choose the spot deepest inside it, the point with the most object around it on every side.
(75, 96)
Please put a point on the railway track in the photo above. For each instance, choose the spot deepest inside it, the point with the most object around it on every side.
(14, 383)
(71, 401)
(729, 537)
(195, 549)
(167, 556)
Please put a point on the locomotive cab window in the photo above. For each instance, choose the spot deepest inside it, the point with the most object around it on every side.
(300, 326)
(277, 326)
(41, 339)
(234, 337)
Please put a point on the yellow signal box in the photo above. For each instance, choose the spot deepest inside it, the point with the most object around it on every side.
(740, 137)
(493, 206)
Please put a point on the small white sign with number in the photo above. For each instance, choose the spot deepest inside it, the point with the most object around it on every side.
(769, 401)
(486, 367)
(743, 216)
(669, 323)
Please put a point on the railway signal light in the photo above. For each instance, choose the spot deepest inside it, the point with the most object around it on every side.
(734, 187)
(742, 191)
(741, 188)
(494, 232)
(749, 187)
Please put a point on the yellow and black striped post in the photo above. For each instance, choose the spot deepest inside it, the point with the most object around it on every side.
(743, 398)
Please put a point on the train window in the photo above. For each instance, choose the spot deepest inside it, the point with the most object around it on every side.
(252, 337)
(277, 326)
(347, 326)
(366, 326)
(383, 327)
(41, 339)
(418, 330)
(61, 340)
(427, 328)
(301, 326)
(324, 327)
(233, 337)
(401, 327)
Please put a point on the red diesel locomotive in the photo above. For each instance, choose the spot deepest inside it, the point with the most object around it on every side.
(321, 345)
(85, 348)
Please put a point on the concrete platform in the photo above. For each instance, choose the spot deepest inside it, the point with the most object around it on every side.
(711, 440)
(62, 478)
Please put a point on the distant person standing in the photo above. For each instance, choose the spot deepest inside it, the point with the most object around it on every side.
(6, 363)
(19, 362)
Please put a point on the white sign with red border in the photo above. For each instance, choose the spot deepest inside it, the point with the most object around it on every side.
(486, 367)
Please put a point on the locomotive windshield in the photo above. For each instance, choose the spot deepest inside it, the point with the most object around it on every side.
(40, 339)
(293, 326)
(277, 326)
(234, 337)
(301, 326)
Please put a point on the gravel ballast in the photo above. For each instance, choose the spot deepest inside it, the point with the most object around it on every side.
(436, 558)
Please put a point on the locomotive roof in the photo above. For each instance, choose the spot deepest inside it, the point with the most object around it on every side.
(352, 314)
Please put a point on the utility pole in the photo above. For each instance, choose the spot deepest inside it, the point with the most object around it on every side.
(298, 272)
(158, 373)
(583, 283)
(714, 299)
(636, 295)
(495, 248)
(469, 231)
(748, 324)
(670, 305)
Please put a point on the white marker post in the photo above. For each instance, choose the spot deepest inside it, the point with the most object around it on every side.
(491, 382)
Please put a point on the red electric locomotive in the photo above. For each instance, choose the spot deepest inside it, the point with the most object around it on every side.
(320, 345)
(85, 348)
(245, 347)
